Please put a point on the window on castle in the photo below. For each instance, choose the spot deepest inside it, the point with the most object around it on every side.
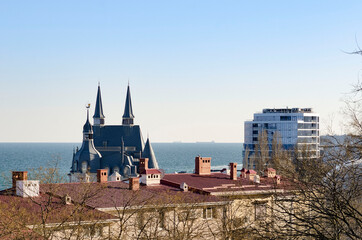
(84, 167)
(130, 149)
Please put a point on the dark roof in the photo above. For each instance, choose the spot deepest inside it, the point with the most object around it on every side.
(47, 207)
(88, 153)
(87, 126)
(218, 183)
(98, 112)
(151, 171)
(117, 194)
(113, 134)
(149, 153)
(128, 112)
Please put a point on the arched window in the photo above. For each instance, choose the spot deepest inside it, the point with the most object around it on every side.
(84, 167)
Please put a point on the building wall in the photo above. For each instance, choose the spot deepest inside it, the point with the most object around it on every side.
(295, 128)
(27, 188)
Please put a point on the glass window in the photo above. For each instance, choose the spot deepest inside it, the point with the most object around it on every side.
(260, 211)
(84, 167)
(207, 213)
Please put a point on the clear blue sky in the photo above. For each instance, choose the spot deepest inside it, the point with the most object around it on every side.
(197, 69)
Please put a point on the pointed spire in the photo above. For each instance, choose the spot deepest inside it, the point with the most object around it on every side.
(87, 158)
(149, 153)
(87, 128)
(98, 116)
(128, 112)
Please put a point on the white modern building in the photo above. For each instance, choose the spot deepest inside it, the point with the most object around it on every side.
(295, 127)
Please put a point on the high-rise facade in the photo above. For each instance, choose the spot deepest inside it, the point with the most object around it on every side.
(295, 127)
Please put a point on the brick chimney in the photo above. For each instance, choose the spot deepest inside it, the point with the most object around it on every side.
(134, 183)
(243, 173)
(102, 175)
(143, 164)
(277, 179)
(233, 171)
(19, 176)
(202, 165)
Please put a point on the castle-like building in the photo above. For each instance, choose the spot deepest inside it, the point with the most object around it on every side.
(116, 148)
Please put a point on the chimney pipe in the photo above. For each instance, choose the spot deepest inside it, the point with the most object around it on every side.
(202, 165)
(19, 175)
(243, 173)
(134, 183)
(233, 171)
(102, 175)
(143, 164)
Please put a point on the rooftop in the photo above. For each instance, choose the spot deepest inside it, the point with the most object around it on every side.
(221, 184)
(30, 211)
(287, 110)
(117, 194)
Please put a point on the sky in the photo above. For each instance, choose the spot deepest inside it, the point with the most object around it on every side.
(197, 69)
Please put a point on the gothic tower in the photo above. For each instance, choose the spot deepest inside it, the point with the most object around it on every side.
(98, 117)
(128, 113)
(87, 158)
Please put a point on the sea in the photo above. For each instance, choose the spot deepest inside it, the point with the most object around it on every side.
(171, 157)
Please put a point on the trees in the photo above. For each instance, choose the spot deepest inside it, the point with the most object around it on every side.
(261, 152)
(326, 197)
(50, 213)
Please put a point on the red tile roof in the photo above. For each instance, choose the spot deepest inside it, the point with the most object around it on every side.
(218, 183)
(44, 209)
(151, 171)
(270, 170)
(251, 172)
(117, 194)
